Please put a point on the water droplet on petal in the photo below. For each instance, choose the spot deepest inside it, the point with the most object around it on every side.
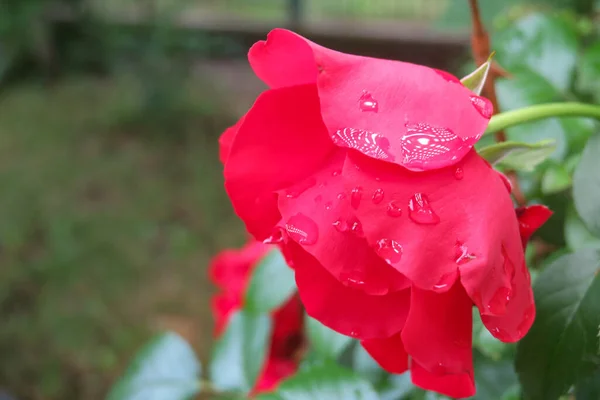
(497, 304)
(356, 226)
(300, 188)
(423, 144)
(276, 237)
(462, 255)
(501, 334)
(446, 282)
(336, 173)
(318, 199)
(353, 279)
(355, 197)
(420, 211)
(302, 229)
(378, 196)
(483, 106)
(341, 196)
(354, 334)
(369, 143)
(341, 225)
(389, 250)
(328, 205)
(459, 173)
(439, 369)
(393, 209)
(528, 318)
(367, 103)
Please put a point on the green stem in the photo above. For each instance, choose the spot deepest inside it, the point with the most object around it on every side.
(534, 113)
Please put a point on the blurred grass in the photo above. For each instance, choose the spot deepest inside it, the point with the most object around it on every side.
(105, 232)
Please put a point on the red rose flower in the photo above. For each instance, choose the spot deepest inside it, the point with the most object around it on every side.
(231, 271)
(364, 170)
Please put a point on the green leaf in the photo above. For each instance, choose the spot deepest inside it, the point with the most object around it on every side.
(166, 368)
(476, 79)
(561, 347)
(326, 342)
(272, 283)
(398, 387)
(240, 353)
(589, 389)
(327, 381)
(556, 178)
(366, 366)
(588, 77)
(577, 234)
(494, 379)
(586, 185)
(519, 155)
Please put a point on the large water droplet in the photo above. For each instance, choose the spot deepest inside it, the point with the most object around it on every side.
(462, 255)
(527, 320)
(302, 229)
(353, 279)
(393, 209)
(389, 250)
(424, 144)
(420, 211)
(497, 304)
(378, 196)
(355, 197)
(459, 174)
(356, 226)
(483, 106)
(369, 143)
(367, 103)
(446, 282)
(341, 225)
(276, 237)
(300, 188)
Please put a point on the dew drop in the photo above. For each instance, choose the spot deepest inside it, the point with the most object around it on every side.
(439, 369)
(353, 279)
(497, 304)
(356, 226)
(341, 196)
(302, 229)
(318, 199)
(371, 144)
(483, 106)
(393, 209)
(336, 172)
(501, 334)
(378, 196)
(424, 145)
(341, 225)
(462, 254)
(367, 103)
(528, 318)
(446, 282)
(459, 174)
(356, 197)
(389, 250)
(354, 334)
(420, 211)
(300, 188)
(328, 206)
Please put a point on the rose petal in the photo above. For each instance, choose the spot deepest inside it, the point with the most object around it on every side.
(229, 269)
(389, 353)
(531, 219)
(457, 386)
(288, 322)
(282, 141)
(454, 223)
(274, 372)
(226, 139)
(438, 330)
(348, 311)
(319, 215)
(222, 306)
(284, 59)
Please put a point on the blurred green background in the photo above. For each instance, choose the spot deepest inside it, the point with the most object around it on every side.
(112, 199)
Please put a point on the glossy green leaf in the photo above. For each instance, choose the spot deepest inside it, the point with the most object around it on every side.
(240, 353)
(589, 389)
(326, 381)
(272, 283)
(586, 185)
(476, 79)
(166, 368)
(518, 155)
(326, 342)
(561, 347)
(577, 235)
(494, 379)
(556, 179)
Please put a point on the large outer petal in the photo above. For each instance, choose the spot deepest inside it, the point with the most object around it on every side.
(438, 330)
(348, 311)
(423, 119)
(457, 386)
(389, 353)
(226, 139)
(336, 239)
(282, 141)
